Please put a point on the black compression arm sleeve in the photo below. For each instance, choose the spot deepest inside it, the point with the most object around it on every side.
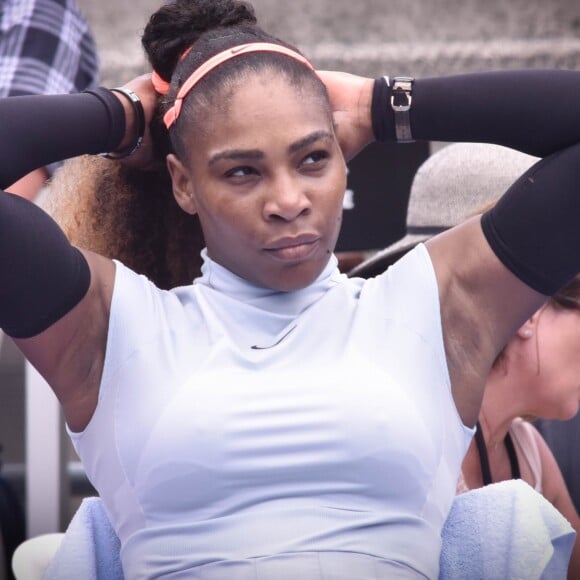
(42, 276)
(534, 110)
(534, 228)
(39, 129)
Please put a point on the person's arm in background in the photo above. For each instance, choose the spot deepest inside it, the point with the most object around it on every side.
(46, 47)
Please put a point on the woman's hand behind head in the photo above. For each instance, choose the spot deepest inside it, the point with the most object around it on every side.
(143, 158)
(350, 98)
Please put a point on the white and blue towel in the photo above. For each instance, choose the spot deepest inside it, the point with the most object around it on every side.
(504, 530)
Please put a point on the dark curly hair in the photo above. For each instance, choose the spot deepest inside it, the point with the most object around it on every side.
(131, 215)
(178, 25)
(128, 215)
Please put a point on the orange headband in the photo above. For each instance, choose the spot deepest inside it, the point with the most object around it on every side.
(173, 113)
(159, 83)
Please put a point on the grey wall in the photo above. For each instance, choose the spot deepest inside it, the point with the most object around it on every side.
(373, 37)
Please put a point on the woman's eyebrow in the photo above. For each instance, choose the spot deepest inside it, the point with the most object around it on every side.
(309, 140)
(236, 154)
(256, 154)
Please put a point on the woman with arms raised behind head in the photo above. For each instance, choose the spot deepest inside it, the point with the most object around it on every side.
(224, 423)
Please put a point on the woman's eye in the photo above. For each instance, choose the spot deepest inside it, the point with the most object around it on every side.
(315, 157)
(241, 172)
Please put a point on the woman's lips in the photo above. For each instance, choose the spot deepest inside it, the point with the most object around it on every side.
(293, 249)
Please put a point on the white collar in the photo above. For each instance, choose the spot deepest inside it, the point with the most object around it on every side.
(227, 283)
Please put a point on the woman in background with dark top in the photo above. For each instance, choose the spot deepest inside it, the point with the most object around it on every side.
(535, 375)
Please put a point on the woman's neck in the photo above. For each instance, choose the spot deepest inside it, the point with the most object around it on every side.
(493, 426)
(501, 404)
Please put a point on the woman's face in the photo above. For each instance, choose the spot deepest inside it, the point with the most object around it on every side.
(267, 181)
(553, 363)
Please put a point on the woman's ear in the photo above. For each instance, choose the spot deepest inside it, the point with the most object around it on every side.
(530, 326)
(182, 184)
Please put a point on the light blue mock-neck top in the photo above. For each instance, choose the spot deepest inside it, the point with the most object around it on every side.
(245, 434)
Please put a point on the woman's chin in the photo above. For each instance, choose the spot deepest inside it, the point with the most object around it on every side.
(569, 412)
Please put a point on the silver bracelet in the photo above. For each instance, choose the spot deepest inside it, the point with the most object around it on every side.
(139, 113)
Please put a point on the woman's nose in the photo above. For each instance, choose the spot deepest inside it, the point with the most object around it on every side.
(286, 201)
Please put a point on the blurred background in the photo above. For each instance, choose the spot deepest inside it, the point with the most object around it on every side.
(368, 37)
(376, 37)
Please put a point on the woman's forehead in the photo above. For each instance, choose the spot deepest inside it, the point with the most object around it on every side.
(271, 78)
(255, 104)
(263, 94)
(273, 123)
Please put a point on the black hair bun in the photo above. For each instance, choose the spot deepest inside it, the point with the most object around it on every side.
(177, 25)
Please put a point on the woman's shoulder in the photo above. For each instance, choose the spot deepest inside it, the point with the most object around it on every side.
(529, 440)
(410, 275)
(407, 291)
(525, 433)
(142, 308)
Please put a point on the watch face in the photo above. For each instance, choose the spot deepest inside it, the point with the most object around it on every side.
(401, 93)
(401, 99)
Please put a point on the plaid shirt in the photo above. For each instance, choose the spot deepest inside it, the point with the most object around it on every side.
(46, 47)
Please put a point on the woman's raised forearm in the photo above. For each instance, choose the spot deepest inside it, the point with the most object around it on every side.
(40, 129)
(536, 111)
